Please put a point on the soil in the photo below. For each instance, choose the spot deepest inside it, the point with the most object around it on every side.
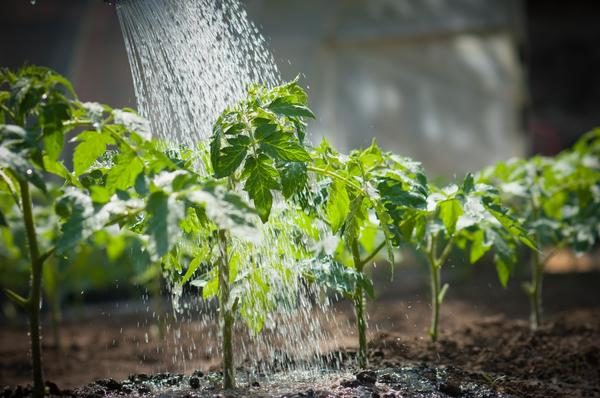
(486, 349)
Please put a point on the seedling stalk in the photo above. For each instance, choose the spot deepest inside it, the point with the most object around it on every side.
(33, 301)
(226, 314)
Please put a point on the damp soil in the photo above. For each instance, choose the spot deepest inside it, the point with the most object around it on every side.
(486, 350)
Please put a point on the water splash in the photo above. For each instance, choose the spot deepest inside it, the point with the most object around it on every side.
(190, 59)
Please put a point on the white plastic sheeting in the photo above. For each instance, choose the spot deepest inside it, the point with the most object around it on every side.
(438, 80)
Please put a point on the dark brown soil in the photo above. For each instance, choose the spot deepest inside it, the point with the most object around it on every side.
(485, 350)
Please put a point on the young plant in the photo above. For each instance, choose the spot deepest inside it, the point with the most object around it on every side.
(468, 217)
(257, 146)
(121, 181)
(356, 190)
(36, 113)
(558, 200)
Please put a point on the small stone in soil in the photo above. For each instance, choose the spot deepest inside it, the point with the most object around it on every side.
(198, 373)
(367, 377)
(451, 388)
(52, 388)
(194, 382)
(109, 384)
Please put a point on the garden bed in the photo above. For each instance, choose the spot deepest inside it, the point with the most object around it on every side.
(479, 354)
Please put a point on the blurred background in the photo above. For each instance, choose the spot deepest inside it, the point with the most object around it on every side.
(456, 84)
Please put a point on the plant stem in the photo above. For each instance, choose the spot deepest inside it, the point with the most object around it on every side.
(535, 292)
(226, 315)
(359, 307)
(434, 272)
(333, 174)
(372, 255)
(35, 291)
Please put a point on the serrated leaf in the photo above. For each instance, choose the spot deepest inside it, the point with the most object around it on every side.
(123, 173)
(283, 147)
(262, 178)
(293, 178)
(82, 221)
(91, 146)
(230, 158)
(282, 106)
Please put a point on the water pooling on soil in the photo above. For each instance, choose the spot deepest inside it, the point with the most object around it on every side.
(408, 381)
(190, 59)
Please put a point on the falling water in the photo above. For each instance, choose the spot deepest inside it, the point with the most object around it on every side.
(190, 59)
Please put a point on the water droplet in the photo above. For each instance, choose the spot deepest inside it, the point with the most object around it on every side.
(29, 172)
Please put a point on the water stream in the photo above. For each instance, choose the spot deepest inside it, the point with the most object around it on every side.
(190, 59)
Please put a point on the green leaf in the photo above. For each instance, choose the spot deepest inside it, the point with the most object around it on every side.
(191, 270)
(82, 220)
(449, 211)
(338, 205)
(293, 178)
(367, 285)
(262, 178)
(58, 168)
(478, 246)
(91, 145)
(100, 194)
(468, 184)
(164, 214)
(230, 158)
(53, 143)
(124, 172)
(509, 223)
(503, 270)
(283, 147)
(265, 130)
(22, 168)
(282, 106)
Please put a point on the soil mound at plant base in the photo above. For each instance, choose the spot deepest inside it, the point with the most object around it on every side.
(561, 359)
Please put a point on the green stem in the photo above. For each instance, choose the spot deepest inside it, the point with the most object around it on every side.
(35, 291)
(372, 255)
(434, 272)
(333, 174)
(226, 315)
(359, 307)
(535, 292)
(437, 292)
